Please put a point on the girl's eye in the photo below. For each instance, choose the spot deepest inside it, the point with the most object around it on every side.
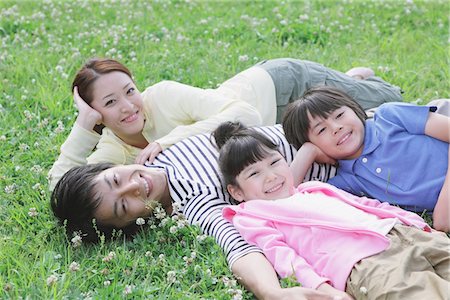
(276, 161)
(116, 181)
(253, 174)
(131, 90)
(321, 130)
(339, 115)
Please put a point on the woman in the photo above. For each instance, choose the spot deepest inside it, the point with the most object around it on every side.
(139, 126)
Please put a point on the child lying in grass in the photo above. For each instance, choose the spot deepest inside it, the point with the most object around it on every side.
(331, 240)
(400, 156)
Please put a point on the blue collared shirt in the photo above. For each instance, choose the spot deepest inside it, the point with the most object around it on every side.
(399, 164)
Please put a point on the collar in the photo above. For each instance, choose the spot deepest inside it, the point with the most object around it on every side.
(371, 142)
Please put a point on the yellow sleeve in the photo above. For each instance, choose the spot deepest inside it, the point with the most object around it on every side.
(180, 111)
(73, 152)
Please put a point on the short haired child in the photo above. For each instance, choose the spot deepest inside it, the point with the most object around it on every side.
(400, 156)
(329, 239)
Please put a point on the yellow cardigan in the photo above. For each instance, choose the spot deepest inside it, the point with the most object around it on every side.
(175, 111)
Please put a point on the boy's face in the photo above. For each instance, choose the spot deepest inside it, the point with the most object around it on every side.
(125, 192)
(340, 136)
(268, 179)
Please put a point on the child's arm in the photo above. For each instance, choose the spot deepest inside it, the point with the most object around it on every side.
(441, 213)
(328, 289)
(438, 126)
(304, 158)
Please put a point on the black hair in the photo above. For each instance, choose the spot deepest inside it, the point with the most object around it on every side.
(239, 147)
(316, 102)
(74, 201)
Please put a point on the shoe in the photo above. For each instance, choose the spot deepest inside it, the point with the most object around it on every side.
(360, 73)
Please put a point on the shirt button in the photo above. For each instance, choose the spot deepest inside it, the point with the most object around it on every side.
(378, 170)
(364, 160)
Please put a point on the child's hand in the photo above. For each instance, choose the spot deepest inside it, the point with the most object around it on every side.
(320, 156)
(326, 288)
(87, 116)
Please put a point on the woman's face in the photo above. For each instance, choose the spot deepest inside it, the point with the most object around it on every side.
(126, 191)
(117, 99)
(267, 179)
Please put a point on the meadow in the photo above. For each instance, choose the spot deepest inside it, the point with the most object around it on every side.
(201, 43)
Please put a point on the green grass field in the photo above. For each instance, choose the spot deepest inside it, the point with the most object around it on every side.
(202, 43)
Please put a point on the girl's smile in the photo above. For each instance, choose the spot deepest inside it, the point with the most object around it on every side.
(267, 179)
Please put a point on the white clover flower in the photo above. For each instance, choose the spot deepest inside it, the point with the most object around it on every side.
(3, 138)
(32, 212)
(9, 189)
(57, 256)
(111, 255)
(303, 17)
(159, 213)
(173, 229)
(243, 57)
(60, 127)
(76, 241)
(201, 237)
(128, 289)
(24, 147)
(176, 206)
(52, 279)
(140, 221)
(106, 283)
(74, 266)
(36, 169)
(148, 254)
(171, 277)
(237, 294)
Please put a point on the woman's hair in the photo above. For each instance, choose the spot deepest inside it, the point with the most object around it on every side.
(74, 201)
(316, 102)
(91, 71)
(239, 147)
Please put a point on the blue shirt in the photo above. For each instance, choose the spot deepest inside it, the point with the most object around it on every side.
(399, 164)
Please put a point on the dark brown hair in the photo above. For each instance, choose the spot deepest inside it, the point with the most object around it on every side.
(91, 71)
(239, 147)
(316, 102)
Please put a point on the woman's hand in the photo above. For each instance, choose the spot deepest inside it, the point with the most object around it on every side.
(87, 116)
(148, 154)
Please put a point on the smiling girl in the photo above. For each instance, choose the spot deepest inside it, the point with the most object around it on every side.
(346, 246)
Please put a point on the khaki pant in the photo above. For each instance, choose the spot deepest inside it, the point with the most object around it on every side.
(416, 265)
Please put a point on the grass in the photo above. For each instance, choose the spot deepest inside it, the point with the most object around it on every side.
(202, 43)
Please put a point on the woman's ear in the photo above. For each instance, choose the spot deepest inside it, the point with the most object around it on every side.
(235, 192)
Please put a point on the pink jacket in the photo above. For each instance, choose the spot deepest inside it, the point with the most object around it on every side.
(311, 245)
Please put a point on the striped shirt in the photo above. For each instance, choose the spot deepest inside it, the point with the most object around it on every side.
(196, 184)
